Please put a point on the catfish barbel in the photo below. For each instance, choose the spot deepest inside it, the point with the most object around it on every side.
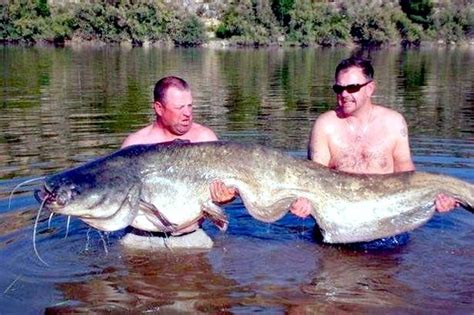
(165, 187)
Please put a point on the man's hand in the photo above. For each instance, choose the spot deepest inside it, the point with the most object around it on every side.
(445, 203)
(301, 207)
(220, 193)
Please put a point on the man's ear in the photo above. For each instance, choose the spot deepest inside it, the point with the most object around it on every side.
(158, 108)
(371, 88)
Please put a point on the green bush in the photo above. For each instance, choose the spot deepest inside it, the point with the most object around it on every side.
(418, 11)
(249, 23)
(281, 9)
(301, 28)
(5, 26)
(233, 24)
(371, 23)
(30, 30)
(20, 22)
(42, 8)
(192, 33)
(61, 27)
(143, 23)
(91, 21)
(317, 23)
(410, 33)
(453, 24)
(111, 21)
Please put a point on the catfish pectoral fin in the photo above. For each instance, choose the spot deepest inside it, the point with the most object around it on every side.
(163, 224)
(156, 217)
(215, 213)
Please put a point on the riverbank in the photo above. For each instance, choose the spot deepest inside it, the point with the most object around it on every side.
(303, 23)
(223, 44)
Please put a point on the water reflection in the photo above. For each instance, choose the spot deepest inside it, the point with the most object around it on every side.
(62, 105)
(358, 281)
(150, 283)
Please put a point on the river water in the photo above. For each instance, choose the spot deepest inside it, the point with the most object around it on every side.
(62, 107)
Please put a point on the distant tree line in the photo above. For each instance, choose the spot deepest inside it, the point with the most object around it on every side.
(112, 21)
(364, 22)
(242, 22)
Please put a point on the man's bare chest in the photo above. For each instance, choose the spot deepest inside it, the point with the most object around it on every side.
(361, 156)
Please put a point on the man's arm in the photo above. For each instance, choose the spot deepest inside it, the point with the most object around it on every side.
(318, 151)
(220, 193)
(402, 161)
(318, 147)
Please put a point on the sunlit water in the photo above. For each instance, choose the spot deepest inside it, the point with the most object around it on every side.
(61, 107)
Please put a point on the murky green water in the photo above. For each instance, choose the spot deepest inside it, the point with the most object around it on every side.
(60, 107)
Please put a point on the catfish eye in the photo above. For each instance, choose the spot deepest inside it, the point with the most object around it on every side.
(63, 195)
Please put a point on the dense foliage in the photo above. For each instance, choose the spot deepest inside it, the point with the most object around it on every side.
(242, 22)
(112, 21)
(250, 22)
(419, 11)
(364, 22)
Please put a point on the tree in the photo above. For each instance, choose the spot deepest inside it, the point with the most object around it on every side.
(281, 9)
(419, 11)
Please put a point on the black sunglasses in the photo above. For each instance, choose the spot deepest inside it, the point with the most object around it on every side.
(351, 88)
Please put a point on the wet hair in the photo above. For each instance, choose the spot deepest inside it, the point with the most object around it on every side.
(358, 62)
(164, 84)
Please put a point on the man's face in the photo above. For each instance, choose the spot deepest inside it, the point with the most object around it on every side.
(354, 90)
(176, 112)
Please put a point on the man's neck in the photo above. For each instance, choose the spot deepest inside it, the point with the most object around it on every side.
(164, 133)
(363, 114)
(358, 123)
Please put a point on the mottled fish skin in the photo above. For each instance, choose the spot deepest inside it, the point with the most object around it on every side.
(175, 178)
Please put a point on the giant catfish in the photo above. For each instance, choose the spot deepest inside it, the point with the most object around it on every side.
(165, 187)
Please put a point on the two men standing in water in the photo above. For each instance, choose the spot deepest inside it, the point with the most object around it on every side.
(357, 136)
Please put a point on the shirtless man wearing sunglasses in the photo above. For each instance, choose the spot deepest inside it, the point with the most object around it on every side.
(357, 137)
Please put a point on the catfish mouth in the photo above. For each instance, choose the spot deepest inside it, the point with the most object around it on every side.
(53, 199)
(58, 199)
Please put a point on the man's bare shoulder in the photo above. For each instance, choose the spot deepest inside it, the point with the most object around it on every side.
(138, 137)
(389, 116)
(390, 123)
(388, 112)
(329, 115)
(327, 121)
(200, 133)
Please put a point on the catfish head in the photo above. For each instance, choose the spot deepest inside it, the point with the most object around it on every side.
(103, 193)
